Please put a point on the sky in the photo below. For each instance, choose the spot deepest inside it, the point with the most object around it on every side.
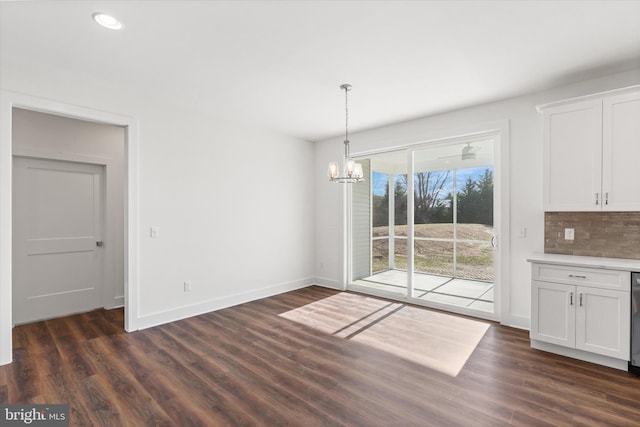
(379, 181)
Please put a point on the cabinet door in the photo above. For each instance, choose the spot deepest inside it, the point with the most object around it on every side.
(602, 321)
(573, 157)
(621, 152)
(553, 313)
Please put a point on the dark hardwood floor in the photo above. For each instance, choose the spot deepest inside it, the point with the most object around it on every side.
(248, 366)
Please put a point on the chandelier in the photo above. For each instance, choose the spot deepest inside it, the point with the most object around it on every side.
(352, 171)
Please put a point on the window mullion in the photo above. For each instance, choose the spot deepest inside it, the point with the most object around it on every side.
(455, 221)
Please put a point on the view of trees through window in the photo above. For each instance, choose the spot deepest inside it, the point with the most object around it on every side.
(453, 222)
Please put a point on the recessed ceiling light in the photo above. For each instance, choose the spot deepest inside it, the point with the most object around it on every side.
(107, 21)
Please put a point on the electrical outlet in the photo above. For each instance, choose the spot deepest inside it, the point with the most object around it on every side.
(154, 232)
(187, 286)
(569, 234)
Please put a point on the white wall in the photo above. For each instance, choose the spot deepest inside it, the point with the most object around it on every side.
(50, 136)
(525, 179)
(233, 203)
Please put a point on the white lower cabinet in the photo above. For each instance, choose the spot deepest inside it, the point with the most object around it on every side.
(553, 314)
(571, 309)
(603, 322)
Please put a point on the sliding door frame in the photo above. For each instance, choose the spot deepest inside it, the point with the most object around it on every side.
(499, 131)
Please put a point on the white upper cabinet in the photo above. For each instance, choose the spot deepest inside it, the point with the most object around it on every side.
(621, 152)
(592, 153)
(573, 156)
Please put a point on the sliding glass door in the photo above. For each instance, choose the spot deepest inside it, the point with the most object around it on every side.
(423, 225)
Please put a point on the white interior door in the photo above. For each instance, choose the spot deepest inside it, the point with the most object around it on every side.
(57, 230)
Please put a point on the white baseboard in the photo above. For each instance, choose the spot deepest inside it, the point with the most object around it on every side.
(184, 312)
(116, 303)
(517, 322)
(328, 283)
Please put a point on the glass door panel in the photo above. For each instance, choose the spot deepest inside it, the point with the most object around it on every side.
(475, 224)
(453, 225)
(379, 221)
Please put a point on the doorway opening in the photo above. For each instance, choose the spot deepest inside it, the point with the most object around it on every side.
(68, 216)
(9, 101)
(422, 225)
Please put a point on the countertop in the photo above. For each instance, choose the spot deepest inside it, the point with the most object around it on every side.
(587, 261)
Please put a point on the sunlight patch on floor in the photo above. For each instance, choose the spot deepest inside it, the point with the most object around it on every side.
(436, 340)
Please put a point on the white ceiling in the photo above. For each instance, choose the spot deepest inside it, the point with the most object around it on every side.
(279, 64)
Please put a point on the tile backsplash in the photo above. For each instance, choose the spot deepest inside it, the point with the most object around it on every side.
(603, 234)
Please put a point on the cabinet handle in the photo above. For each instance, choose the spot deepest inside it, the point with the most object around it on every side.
(577, 276)
(571, 298)
(606, 198)
(580, 299)
(597, 201)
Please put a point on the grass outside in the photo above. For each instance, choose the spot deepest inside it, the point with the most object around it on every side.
(473, 260)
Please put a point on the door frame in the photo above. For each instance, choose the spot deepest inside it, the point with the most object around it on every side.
(10, 100)
(501, 189)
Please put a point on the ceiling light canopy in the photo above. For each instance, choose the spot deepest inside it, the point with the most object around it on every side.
(107, 21)
(352, 171)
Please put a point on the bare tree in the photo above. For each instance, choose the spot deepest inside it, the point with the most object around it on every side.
(430, 202)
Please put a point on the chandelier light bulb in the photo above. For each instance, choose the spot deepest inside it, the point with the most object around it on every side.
(357, 171)
(350, 166)
(333, 170)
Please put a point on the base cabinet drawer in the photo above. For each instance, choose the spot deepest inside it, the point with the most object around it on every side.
(583, 276)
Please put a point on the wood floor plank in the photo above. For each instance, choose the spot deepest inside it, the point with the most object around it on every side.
(199, 392)
(62, 387)
(39, 339)
(219, 370)
(269, 383)
(284, 376)
(250, 366)
(135, 402)
(136, 360)
(185, 413)
(24, 383)
(103, 408)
